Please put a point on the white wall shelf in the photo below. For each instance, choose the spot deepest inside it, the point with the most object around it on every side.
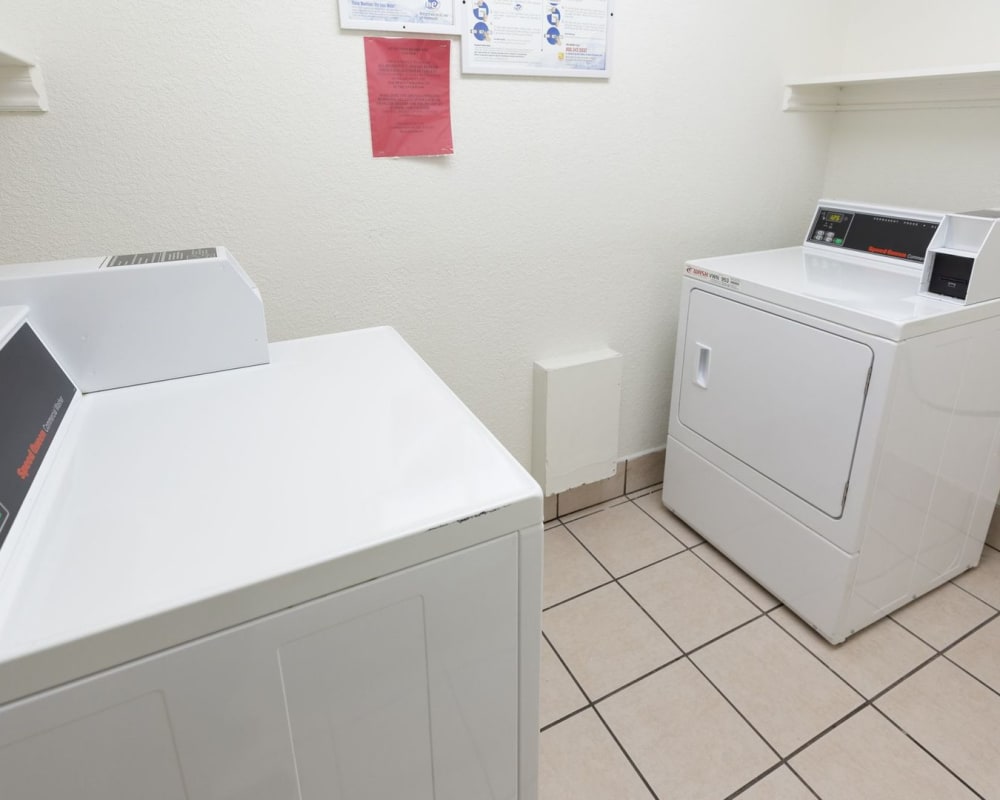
(21, 84)
(958, 87)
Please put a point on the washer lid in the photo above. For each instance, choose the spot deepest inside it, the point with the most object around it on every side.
(177, 509)
(879, 298)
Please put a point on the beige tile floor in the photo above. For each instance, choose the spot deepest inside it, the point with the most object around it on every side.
(667, 673)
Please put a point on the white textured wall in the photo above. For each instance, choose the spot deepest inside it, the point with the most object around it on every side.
(561, 223)
(942, 159)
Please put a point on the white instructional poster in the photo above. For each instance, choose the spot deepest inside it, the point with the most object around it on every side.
(402, 16)
(570, 38)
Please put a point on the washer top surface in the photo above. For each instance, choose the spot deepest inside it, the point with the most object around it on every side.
(172, 510)
(865, 294)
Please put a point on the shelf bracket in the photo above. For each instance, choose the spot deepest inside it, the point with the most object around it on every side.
(21, 84)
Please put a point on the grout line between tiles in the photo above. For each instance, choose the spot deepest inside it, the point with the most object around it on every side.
(644, 492)
(961, 638)
(933, 757)
(754, 782)
(937, 653)
(700, 537)
(971, 593)
(732, 705)
(805, 783)
(950, 660)
(581, 594)
(687, 657)
(870, 702)
(621, 747)
(597, 508)
(782, 760)
(816, 656)
(684, 655)
(565, 717)
(592, 705)
(737, 588)
(771, 771)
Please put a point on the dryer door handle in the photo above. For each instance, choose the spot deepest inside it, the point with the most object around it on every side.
(704, 363)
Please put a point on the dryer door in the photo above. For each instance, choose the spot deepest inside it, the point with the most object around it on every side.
(782, 397)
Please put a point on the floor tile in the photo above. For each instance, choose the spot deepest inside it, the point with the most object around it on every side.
(653, 505)
(980, 654)
(559, 695)
(654, 489)
(606, 640)
(868, 756)
(737, 577)
(783, 691)
(690, 601)
(579, 760)
(870, 660)
(779, 785)
(624, 539)
(943, 615)
(984, 580)
(684, 737)
(586, 512)
(568, 568)
(955, 717)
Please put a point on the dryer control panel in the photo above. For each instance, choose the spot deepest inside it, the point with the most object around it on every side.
(874, 231)
(34, 401)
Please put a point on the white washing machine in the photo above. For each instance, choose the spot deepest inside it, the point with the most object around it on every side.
(835, 414)
(296, 571)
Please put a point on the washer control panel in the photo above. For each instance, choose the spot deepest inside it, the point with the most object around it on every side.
(894, 236)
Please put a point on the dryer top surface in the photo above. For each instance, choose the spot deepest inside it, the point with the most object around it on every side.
(878, 298)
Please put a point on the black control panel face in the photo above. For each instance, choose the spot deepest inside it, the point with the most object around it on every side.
(34, 398)
(895, 237)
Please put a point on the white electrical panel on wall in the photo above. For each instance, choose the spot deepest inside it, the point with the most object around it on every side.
(577, 405)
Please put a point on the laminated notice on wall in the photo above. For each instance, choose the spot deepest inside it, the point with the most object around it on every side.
(560, 38)
(410, 16)
(409, 96)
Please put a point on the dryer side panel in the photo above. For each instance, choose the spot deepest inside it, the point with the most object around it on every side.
(783, 397)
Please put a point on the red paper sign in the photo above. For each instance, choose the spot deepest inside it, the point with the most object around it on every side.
(409, 96)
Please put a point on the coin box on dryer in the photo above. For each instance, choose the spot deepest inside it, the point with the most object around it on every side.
(963, 263)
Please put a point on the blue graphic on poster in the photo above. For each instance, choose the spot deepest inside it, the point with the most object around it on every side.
(552, 36)
(480, 10)
(481, 31)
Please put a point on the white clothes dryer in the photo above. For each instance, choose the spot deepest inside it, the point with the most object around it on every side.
(835, 412)
(300, 570)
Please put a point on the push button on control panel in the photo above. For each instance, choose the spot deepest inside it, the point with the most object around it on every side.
(831, 227)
